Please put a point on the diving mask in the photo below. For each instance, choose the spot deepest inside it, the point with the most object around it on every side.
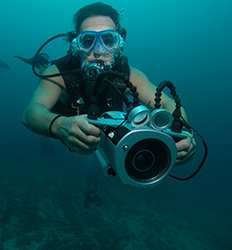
(88, 40)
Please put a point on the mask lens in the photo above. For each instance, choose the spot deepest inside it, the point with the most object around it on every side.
(109, 39)
(86, 41)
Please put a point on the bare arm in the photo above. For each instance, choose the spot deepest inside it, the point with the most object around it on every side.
(75, 131)
(37, 115)
(147, 90)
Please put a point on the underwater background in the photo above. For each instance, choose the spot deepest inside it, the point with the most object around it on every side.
(51, 199)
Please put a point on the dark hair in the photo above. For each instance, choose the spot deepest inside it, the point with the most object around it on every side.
(98, 9)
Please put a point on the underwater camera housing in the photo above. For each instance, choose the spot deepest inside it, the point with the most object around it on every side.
(141, 151)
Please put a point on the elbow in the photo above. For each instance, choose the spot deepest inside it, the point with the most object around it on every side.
(25, 117)
(28, 114)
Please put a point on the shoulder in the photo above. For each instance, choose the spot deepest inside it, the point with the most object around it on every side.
(58, 80)
(146, 88)
(52, 69)
(137, 76)
(140, 80)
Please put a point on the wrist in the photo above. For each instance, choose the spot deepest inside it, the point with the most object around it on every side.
(55, 125)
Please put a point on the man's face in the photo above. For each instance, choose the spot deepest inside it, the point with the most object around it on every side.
(98, 23)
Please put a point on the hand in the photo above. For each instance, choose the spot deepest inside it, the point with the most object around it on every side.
(77, 134)
(185, 149)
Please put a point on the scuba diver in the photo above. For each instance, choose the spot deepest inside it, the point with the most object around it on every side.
(4, 65)
(60, 110)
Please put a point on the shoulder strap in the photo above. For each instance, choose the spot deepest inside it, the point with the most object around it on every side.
(122, 66)
(69, 67)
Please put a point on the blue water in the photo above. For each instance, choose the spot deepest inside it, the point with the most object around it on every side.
(187, 42)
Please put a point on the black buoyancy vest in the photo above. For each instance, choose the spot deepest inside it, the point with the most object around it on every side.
(70, 70)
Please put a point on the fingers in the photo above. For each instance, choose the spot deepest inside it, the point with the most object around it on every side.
(84, 135)
(79, 136)
(185, 148)
(183, 144)
(76, 145)
(88, 128)
(88, 139)
(181, 154)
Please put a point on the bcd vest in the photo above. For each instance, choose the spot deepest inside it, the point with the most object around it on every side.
(70, 70)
